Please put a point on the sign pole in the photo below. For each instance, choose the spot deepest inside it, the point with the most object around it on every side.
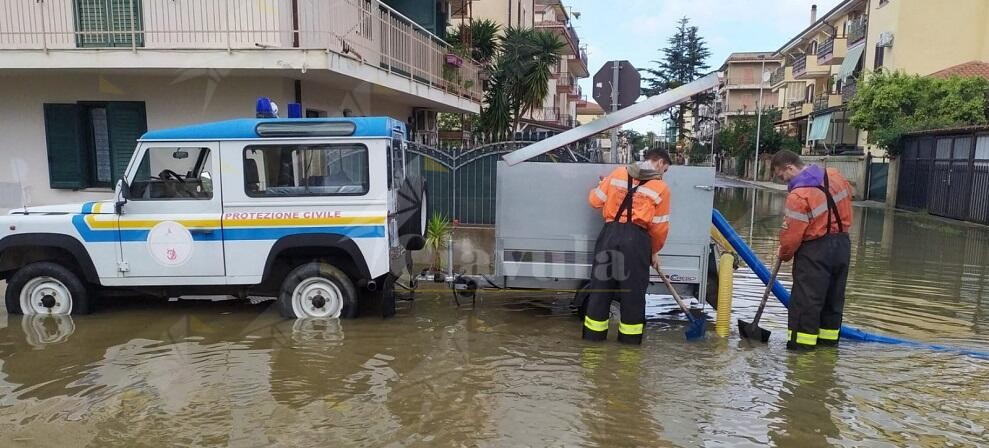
(615, 68)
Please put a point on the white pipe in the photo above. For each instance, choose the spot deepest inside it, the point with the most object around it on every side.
(650, 106)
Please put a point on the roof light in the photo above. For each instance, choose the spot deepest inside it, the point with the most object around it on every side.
(266, 108)
(304, 129)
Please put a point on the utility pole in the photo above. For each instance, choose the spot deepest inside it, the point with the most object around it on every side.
(615, 68)
(758, 126)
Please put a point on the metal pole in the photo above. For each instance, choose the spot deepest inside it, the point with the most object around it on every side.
(758, 126)
(615, 67)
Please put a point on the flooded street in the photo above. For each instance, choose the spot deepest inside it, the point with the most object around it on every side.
(514, 372)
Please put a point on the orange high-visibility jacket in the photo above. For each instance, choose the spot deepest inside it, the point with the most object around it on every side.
(806, 214)
(650, 204)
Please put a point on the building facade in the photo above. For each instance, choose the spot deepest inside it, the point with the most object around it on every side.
(823, 63)
(82, 79)
(742, 84)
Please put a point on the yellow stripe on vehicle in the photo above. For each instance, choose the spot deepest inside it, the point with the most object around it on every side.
(276, 222)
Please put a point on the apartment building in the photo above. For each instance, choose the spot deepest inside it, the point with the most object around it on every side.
(82, 79)
(559, 111)
(823, 63)
(741, 82)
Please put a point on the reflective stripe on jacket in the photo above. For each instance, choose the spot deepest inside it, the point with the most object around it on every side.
(806, 213)
(650, 204)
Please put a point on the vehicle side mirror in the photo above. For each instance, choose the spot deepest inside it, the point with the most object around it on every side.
(123, 194)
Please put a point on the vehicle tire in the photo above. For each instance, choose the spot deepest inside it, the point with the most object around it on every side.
(381, 301)
(46, 288)
(317, 289)
(413, 211)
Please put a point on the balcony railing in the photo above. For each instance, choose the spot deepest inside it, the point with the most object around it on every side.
(546, 114)
(366, 30)
(857, 30)
(848, 90)
(821, 102)
(795, 109)
(800, 65)
(825, 50)
(778, 76)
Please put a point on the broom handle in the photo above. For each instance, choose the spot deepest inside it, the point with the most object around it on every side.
(765, 295)
(676, 296)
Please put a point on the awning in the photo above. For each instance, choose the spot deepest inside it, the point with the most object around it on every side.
(851, 61)
(819, 128)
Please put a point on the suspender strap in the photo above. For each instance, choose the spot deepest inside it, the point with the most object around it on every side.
(626, 206)
(832, 206)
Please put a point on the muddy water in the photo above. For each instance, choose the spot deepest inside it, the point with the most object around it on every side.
(512, 372)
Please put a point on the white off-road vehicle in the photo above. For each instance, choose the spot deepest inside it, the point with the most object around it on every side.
(319, 213)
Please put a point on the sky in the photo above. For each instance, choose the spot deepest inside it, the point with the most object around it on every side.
(636, 30)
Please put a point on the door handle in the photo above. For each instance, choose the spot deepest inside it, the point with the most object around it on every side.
(705, 187)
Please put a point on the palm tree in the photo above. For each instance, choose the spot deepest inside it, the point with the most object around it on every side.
(520, 80)
(484, 41)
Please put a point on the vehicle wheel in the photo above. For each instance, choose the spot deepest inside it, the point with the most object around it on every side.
(46, 288)
(381, 301)
(413, 211)
(317, 289)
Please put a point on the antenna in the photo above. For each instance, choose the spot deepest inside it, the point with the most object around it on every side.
(20, 185)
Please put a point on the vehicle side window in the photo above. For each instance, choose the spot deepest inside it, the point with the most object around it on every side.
(306, 170)
(170, 173)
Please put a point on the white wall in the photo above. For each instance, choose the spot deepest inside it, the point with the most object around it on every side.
(173, 99)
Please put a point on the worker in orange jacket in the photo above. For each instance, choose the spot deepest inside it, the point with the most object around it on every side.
(635, 204)
(815, 235)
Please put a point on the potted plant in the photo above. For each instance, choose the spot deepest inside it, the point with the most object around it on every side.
(439, 229)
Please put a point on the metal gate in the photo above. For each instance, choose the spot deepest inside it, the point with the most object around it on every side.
(947, 175)
(878, 173)
(462, 179)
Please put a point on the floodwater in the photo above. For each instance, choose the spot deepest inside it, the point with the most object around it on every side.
(512, 370)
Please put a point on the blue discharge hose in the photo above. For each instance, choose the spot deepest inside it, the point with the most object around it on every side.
(750, 258)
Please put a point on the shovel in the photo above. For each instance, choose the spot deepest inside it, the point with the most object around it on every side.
(752, 330)
(697, 324)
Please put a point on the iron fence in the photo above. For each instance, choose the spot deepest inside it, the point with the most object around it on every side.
(946, 175)
(461, 180)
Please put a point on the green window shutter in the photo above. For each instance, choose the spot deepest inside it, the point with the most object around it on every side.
(108, 23)
(128, 122)
(66, 136)
(91, 19)
(123, 15)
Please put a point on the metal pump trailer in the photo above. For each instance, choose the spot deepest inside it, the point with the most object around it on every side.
(545, 230)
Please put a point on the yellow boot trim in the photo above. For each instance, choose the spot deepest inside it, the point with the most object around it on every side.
(630, 329)
(829, 335)
(595, 325)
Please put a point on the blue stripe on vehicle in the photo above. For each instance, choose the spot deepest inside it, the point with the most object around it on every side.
(236, 234)
(274, 233)
(87, 208)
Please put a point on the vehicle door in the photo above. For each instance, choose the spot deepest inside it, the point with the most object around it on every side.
(170, 225)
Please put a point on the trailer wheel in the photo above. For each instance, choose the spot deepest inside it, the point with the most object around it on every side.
(317, 289)
(46, 288)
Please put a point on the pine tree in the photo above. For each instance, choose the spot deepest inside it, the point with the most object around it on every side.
(684, 60)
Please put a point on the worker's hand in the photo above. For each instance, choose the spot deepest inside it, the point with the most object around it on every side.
(655, 262)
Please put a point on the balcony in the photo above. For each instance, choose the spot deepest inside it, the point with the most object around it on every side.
(261, 34)
(857, 30)
(806, 67)
(546, 114)
(832, 51)
(826, 101)
(577, 62)
(779, 76)
(848, 90)
(798, 109)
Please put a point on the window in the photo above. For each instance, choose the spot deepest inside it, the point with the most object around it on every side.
(91, 143)
(809, 98)
(880, 55)
(109, 23)
(396, 163)
(812, 51)
(173, 173)
(306, 170)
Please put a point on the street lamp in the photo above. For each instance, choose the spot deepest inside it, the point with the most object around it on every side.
(758, 127)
